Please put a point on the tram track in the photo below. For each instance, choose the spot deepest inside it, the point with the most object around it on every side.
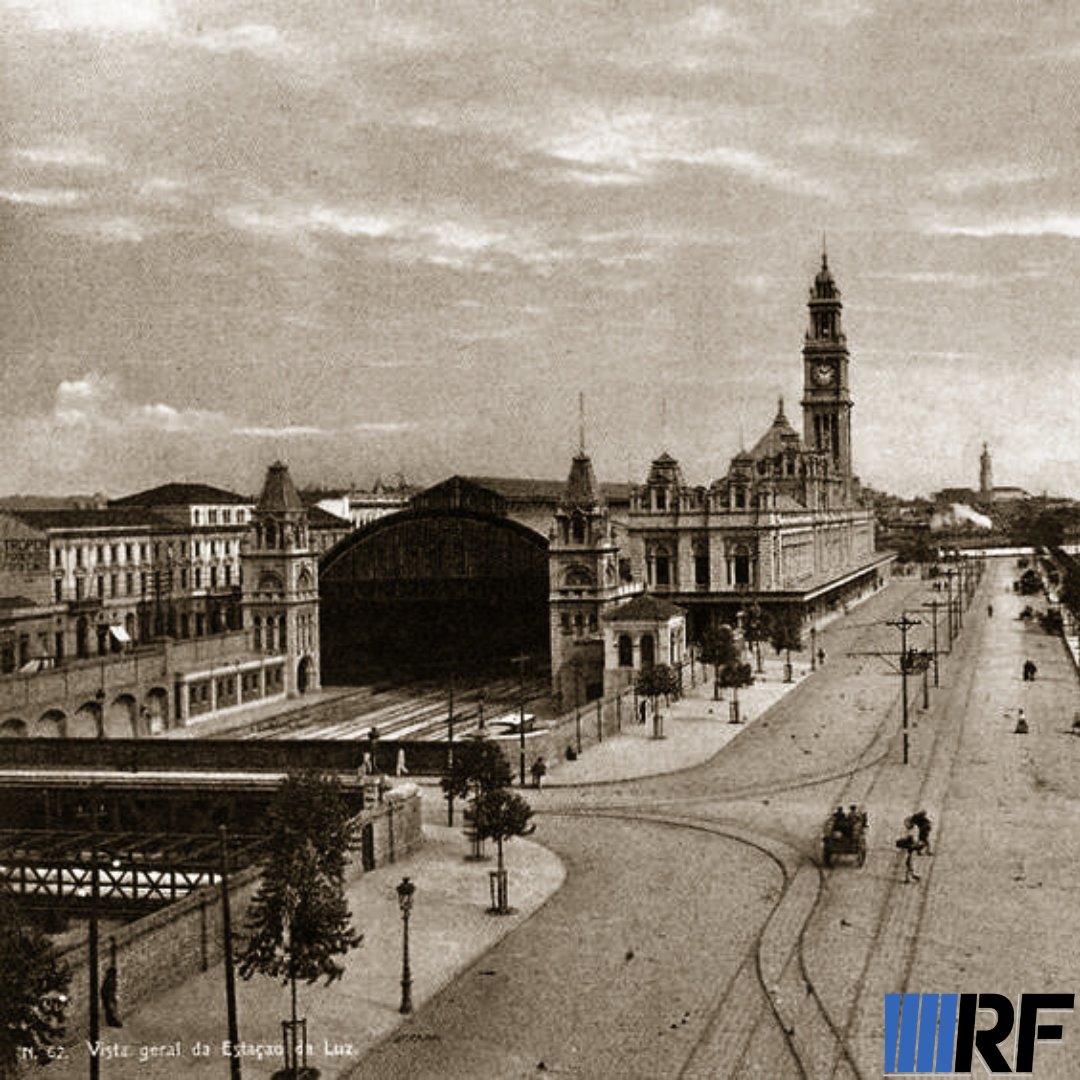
(785, 989)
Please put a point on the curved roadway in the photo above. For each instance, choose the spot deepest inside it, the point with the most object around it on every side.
(696, 935)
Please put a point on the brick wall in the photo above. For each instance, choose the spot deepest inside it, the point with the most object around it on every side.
(161, 950)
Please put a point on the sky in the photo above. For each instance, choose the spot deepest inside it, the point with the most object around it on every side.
(374, 237)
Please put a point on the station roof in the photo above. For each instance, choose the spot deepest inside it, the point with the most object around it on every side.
(181, 495)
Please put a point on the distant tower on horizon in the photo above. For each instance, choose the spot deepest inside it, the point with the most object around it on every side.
(986, 477)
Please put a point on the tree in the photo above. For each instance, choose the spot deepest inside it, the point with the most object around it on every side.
(1030, 583)
(478, 766)
(718, 648)
(733, 676)
(501, 815)
(785, 634)
(34, 998)
(755, 630)
(651, 683)
(299, 923)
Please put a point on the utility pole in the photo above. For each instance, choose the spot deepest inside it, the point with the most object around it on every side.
(904, 624)
(95, 900)
(450, 753)
(933, 605)
(959, 595)
(230, 973)
(519, 662)
(948, 586)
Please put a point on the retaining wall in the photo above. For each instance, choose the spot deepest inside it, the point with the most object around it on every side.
(161, 950)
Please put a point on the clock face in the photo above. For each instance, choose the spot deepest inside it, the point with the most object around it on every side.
(822, 374)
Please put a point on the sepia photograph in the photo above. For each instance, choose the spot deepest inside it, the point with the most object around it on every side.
(539, 538)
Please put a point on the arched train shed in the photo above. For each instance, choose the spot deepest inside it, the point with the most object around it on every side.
(451, 583)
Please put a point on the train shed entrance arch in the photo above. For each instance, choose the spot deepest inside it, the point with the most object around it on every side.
(450, 583)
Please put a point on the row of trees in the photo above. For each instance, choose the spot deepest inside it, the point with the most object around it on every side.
(481, 774)
(719, 647)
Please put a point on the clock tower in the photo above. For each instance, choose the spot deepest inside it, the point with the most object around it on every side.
(827, 400)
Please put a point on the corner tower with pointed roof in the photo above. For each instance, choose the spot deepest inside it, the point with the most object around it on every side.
(584, 582)
(281, 582)
(827, 399)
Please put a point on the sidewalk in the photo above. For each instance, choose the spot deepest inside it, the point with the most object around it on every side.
(694, 729)
(449, 929)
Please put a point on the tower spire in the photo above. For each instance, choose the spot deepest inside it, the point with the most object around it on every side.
(581, 424)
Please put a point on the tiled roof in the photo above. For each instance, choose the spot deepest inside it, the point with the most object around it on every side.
(279, 493)
(779, 436)
(112, 518)
(318, 518)
(181, 495)
(646, 607)
(528, 490)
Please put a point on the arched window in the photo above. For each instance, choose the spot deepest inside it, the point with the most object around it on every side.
(626, 651)
(742, 566)
(258, 632)
(661, 566)
(648, 650)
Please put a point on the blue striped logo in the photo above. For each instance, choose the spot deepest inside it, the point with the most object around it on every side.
(920, 1033)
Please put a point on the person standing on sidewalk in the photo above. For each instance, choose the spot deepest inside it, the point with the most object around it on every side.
(539, 770)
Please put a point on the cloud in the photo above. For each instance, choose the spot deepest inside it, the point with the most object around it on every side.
(102, 16)
(978, 177)
(958, 278)
(638, 144)
(259, 39)
(45, 197)
(286, 431)
(61, 155)
(1061, 225)
(115, 229)
(402, 235)
(95, 402)
(871, 143)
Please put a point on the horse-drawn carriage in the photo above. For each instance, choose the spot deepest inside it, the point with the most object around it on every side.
(844, 833)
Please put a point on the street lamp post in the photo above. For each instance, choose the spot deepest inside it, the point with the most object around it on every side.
(405, 901)
(230, 973)
(520, 661)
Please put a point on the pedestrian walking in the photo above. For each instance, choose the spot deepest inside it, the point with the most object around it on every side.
(821, 657)
(539, 770)
(989, 611)
(1021, 724)
(643, 711)
(908, 844)
(921, 823)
